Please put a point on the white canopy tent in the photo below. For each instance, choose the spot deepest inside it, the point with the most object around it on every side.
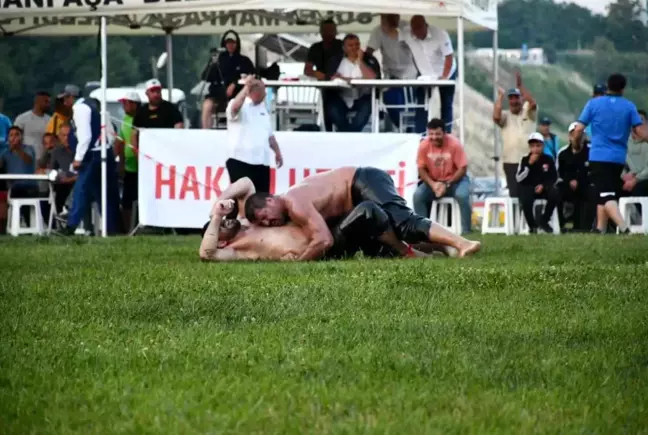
(43, 17)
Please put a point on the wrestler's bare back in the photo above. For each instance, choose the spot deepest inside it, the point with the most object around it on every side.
(329, 192)
(278, 243)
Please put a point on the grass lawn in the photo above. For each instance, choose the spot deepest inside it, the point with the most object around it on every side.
(135, 335)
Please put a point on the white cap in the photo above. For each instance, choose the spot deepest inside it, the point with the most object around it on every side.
(572, 126)
(153, 84)
(131, 96)
(536, 136)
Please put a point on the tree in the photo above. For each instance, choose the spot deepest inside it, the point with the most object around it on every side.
(624, 27)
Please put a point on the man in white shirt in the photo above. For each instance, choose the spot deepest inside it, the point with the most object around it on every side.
(250, 136)
(434, 58)
(397, 60)
(350, 109)
(34, 122)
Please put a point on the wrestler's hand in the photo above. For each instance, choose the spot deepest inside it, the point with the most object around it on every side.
(223, 207)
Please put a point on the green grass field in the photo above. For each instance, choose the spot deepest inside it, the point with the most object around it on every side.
(536, 334)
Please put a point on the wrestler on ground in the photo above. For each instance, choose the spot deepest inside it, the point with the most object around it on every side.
(366, 228)
(334, 193)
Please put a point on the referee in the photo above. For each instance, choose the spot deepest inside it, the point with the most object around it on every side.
(250, 136)
(612, 117)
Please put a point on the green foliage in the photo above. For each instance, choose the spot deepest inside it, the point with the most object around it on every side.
(135, 335)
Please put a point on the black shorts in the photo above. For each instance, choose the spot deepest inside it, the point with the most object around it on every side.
(606, 178)
(358, 231)
(129, 191)
(218, 95)
(377, 186)
(258, 174)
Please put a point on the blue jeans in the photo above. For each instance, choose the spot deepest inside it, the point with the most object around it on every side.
(338, 113)
(424, 196)
(446, 95)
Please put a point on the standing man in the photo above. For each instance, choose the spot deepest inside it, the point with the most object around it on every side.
(635, 181)
(250, 136)
(434, 57)
(319, 57)
(442, 166)
(552, 145)
(34, 122)
(517, 124)
(612, 118)
(86, 133)
(158, 113)
(127, 157)
(397, 60)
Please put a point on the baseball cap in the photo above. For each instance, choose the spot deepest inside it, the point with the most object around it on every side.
(513, 91)
(131, 96)
(545, 121)
(535, 136)
(572, 126)
(599, 89)
(69, 91)
(153, 84)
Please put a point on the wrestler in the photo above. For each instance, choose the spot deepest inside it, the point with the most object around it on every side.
(333, 194)
(366, 228)
(225, 238)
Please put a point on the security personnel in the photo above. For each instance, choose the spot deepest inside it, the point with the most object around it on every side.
(86, 135)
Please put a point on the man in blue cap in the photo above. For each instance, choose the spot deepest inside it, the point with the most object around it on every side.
(85, 140)
(599, 91)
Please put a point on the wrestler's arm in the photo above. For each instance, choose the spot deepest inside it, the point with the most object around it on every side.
(240, 191)
(311, 221)
(209, 250)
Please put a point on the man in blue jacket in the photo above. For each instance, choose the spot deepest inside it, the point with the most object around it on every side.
(85, 140)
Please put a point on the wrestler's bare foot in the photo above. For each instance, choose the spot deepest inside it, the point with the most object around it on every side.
(469, 247)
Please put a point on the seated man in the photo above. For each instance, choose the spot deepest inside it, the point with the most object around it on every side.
(536, 176)
(365, 228)
(573, 183)
(59, 157)
(442, 166)
(333, 194)
(352, 102)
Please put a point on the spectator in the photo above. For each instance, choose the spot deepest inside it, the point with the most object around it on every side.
(34, 122)
(635, 180)
(550, 140)
(5, 124)
(158, 113)
(127, 156)
(397, 60)
(442, 166)
(86, 132)
(598, 91)
(536, 175)
(516, 124)
(434, 57)
(223, 75)
(59, 157)
(350, 109)
(63, 110)
(250, 136)
(319, 57)
(18, 159)
(612, 118)
(573, 182)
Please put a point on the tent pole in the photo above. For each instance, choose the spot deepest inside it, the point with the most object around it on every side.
(461, 69)
(104, 127)
(169, 65)
(496, 134)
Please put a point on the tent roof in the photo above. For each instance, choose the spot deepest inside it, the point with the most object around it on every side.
(195, 17)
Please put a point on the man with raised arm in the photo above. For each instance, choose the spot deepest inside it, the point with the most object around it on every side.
(332, 194)
(365, 228)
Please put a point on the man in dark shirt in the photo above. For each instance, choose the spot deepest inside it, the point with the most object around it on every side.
(536, 176)
(319, 57)
(158, 113)
(573, 182)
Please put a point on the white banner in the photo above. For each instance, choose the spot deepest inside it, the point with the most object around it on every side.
(182, 172)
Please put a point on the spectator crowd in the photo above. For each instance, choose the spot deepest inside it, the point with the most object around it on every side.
(605, 157)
